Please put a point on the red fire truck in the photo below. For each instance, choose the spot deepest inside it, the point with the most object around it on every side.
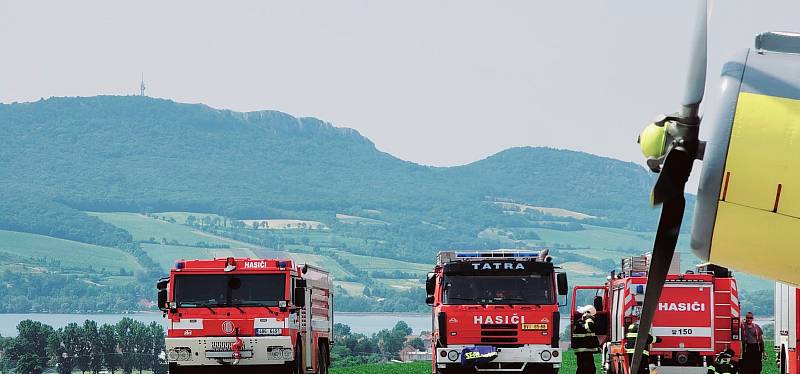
(251, 314)
(495, 311)
(786, 298)
(698, 315)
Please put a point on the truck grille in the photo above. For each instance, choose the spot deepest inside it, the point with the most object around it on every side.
(221, 346)
(499, 335)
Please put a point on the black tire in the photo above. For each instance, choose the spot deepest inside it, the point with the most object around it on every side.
(783, 359)
(454, 371)
(298, 366)
(609, 368)
(322, 359)
(174, 369)
(536, 369)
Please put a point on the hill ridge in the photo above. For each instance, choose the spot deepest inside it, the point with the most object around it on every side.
(276, 121)
(139, 154)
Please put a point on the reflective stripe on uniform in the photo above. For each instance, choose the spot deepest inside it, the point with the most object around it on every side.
(630, 351)
(579, 350)
(589, 335)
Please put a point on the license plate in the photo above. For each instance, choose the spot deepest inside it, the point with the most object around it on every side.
(534, 326)
(265, 331)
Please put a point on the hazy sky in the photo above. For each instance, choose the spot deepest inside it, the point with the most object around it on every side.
(434, 82)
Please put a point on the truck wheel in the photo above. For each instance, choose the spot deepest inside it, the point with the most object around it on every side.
(609, 366)
(322, 361)
(298, 367)
(783, 359)
(535, 369)
(173, 368)
(455, 371)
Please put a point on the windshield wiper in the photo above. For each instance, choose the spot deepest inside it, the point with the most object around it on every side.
(461, 298)
(206, 305)
(506, 300)
(195, 305)
(259, 303)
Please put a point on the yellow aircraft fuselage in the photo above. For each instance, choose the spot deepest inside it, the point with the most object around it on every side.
(748, 210)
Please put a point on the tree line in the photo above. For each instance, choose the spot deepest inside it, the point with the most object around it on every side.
(50, 292)
(126, 346)
(131, 346)
(351, 348)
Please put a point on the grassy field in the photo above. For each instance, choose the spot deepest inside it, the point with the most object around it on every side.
(555, 212)
(286, 224)
(352, 288)
(144, 228)
(180, 217)
(344, 218)
(595, 237)
(336, 270)
(385, 264)
(391, 368)
(68, 253)
(166, 255)
(567, 366)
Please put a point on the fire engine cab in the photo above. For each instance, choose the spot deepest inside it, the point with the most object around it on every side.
(247, 314)
(786, 298)
(495, 311)
(698, 315)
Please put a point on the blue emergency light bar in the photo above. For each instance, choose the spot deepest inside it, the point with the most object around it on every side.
(499, 254)
(479, 255)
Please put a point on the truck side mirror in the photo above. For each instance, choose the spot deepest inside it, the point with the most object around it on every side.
(299, 297)
(162, 294)
(429, 300)
(430, 284)
(561, 281)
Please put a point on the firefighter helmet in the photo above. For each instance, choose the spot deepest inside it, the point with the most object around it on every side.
(587, 309)
(633, 327)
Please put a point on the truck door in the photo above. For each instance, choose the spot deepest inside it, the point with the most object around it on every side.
(597, 297)
(617, 315)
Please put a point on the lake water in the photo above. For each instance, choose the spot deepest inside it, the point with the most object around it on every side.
(365, 323)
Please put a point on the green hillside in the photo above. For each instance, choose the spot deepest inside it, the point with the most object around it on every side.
(146, 228)
(160, 181)
(137, 154)
(48, 275)
(30, 248)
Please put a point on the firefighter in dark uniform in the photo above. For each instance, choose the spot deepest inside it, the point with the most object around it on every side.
(723, 363)
(584, 340)
(630, 346)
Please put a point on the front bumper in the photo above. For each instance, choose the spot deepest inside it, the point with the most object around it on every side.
(211, 351)
(681, 370)
(508, 359)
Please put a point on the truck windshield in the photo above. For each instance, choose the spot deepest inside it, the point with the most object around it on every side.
(512, 289)
(229, 290)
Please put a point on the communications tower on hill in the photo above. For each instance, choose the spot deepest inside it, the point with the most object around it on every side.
(142, 86)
